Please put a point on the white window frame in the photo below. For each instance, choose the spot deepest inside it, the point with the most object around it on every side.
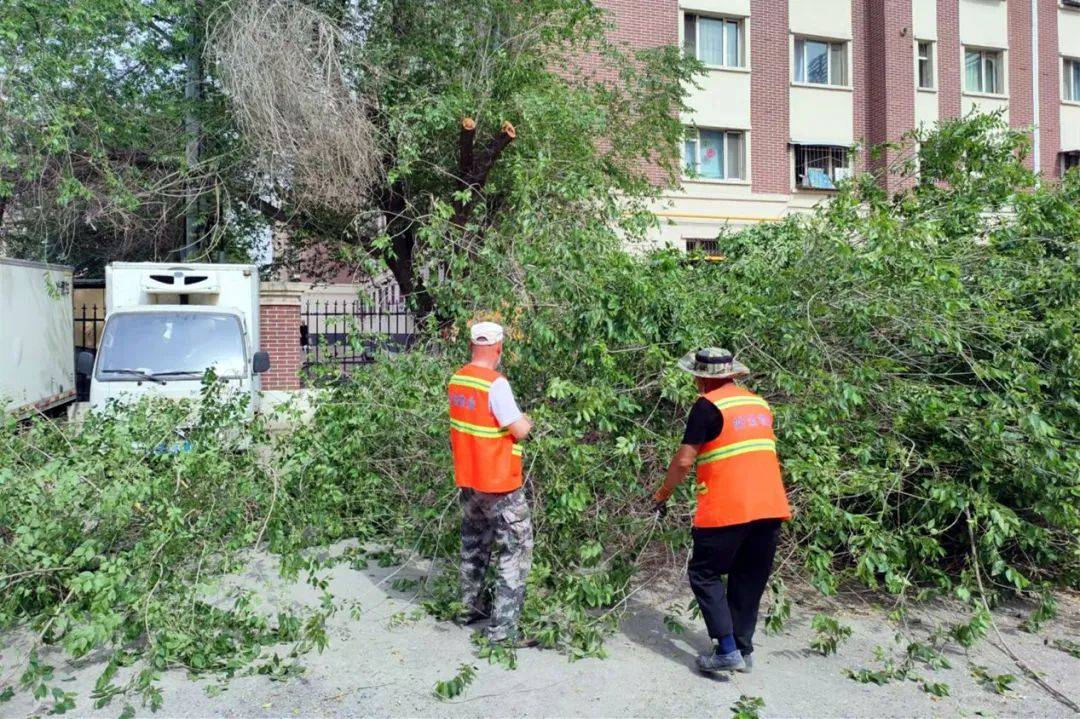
(984, 53)
(693, 135)
(1070, 80)
(740, 35)
(930, 59)
(845, 48)
(827, 154)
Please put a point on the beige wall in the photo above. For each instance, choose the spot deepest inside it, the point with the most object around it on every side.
(740, 8)
(1069, 46)
(1069, 32)
(823, 18)
(721, 100)
(984, 23)
(1070, 126)
(926, 107)
(985, 104)
(924, 19)
(822, 115)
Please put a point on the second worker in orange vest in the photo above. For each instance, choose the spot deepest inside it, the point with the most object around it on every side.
(740, 503)
(486, 430)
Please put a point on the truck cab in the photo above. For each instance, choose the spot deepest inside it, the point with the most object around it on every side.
(167, 324)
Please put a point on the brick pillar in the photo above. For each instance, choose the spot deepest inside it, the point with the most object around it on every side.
(1049, 89)
(279, 333)
(1021, 92)
(948, 57)
(861, 60)
(884, 61)
(770, 97)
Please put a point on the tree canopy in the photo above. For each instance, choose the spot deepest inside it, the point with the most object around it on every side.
(98, 117)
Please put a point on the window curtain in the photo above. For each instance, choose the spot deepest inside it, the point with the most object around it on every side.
(973, 71)
(712, 155)
(710, 41)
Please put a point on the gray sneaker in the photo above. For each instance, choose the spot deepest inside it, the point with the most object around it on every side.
(748, 663)
(730, 662)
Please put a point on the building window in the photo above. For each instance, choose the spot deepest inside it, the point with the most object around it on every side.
(818, 62)
(705, 246)
(820, 167)
(1070, 80)
(717, 42)
(926, 65)
(982, 71)
(715, 154)
(1070, 161)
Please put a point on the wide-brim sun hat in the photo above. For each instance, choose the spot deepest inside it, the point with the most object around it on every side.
(713, 363)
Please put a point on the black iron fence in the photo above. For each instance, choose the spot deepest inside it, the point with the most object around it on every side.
(340, 334)
(89, 321)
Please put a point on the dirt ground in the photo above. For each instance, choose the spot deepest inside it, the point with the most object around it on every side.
(387, 662)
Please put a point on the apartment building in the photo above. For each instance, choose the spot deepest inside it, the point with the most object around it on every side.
(791, 86)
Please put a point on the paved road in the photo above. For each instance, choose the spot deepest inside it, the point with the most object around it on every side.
(387, 663)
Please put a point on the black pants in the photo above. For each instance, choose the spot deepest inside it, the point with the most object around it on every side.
(745, 553)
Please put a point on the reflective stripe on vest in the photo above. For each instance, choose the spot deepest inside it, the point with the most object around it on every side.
(476, 430)
(486, 458)
(738, 472)
(732, 450)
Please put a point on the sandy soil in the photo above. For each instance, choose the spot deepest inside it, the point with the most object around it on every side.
(386, 663)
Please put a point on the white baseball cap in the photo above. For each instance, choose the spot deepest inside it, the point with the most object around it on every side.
(486, 333)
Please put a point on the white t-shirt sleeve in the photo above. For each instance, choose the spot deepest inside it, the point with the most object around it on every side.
(502, 403)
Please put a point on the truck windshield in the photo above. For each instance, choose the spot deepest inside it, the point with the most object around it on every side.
(145, 345)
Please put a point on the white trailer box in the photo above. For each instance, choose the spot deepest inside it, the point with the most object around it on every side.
(167, 324)
(37, 345)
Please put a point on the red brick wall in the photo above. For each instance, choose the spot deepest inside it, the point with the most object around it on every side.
(636, 24)
(888, 92)
(279, 334)
(1049, 89)
(862, 69)
(948, 47)
(770, 167)
(1021, 100)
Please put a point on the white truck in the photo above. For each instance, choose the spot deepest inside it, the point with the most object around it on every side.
(37, 339)
(167, 324)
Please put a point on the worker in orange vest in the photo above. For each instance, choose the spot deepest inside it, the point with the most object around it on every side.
(486, 430)
(740, 504)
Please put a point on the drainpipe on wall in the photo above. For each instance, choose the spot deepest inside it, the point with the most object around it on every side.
(1035, 82)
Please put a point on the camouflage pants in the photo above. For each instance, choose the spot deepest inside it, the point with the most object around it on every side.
(502, 520)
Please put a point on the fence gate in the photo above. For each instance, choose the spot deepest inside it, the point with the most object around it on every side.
(89, 321)
(340, 334)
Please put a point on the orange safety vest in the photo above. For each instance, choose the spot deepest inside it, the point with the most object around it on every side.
(738, 473)
(486, 458)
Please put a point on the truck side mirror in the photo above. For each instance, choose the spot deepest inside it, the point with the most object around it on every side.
(84, 364)
(260, 362)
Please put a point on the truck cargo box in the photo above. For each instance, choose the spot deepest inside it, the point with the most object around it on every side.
(37, 349)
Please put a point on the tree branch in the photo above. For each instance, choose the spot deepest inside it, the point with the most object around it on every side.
(466, 140)
(475, 170)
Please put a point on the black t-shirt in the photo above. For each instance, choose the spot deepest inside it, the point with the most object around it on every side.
(704, 423)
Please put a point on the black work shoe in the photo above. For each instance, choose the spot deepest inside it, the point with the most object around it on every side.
(730, 662)
(518, 642)
(464, 619)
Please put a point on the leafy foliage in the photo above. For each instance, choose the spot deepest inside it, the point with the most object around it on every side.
(829, 633)
(747, 707)
(998, 683)
(456, 685)
(920, 352)
(107, 540)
